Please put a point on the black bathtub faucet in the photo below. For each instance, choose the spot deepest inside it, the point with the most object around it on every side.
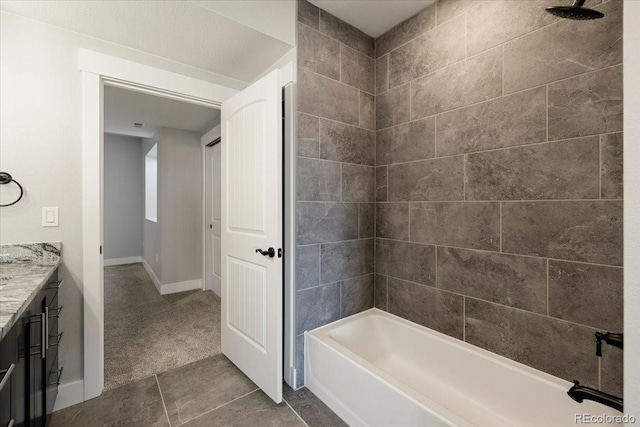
(579, 393)
(608, 337)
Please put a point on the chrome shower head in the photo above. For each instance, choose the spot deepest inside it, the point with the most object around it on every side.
(577, 11)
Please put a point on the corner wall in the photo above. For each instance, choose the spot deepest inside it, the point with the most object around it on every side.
(335, 172)
(499, 181)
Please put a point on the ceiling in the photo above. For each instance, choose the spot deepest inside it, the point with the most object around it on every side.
(123, 107)
(374, 17)
(192, 33)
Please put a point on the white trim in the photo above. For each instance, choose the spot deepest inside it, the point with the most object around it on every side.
(187, 285)
(205, 139)
(122, 261)
(99, 69)
(69, 394)
(152, 275)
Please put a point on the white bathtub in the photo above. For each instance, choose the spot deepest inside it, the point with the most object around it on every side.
(376, 369)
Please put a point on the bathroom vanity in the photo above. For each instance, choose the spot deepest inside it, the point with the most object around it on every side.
(29, 333)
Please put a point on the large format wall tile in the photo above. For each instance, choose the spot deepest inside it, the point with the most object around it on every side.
(448, 9)
(308, 136)
(317, 306)
(367, 111)
(465, 225)
(320, 222)
(432, 51)
(308, 14)
(556, 170)
(382, 74)
(494, 22)
(345, 33)
(436, 179)
(381, 184)
(427, 306)
(418, 24)
(318, 180)
(356, 295)
(392, 107)
(356, 69)
(392, 221)
(564, 49)
(586, 104)
(318, 53)
(406, 142)
(358, 183)
(562, 349)
(611, 167)
(515, 281)
(612, 370)
(344, 143)
(578, 231)
(473, 80)
(512, 120)
(409, 261)
(323, 97)
(367, 220)
(307, 266)
(344, 260)
(586, 294)
(380, 298)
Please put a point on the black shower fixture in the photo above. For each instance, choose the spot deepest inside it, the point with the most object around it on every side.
(577, 11)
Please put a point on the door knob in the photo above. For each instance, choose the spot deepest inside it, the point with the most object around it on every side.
(269, 252)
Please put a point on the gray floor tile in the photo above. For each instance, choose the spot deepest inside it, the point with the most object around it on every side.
(192, 390)
(134, 404)
(255, 409)
(311, 409)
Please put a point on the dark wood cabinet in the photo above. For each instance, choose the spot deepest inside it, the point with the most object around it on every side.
(30, 352)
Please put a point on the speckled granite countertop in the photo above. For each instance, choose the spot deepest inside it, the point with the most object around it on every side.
(24, 270)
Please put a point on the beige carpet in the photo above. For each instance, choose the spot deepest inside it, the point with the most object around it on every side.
(146, 333)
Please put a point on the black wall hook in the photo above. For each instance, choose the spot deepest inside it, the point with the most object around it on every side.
(6, 178)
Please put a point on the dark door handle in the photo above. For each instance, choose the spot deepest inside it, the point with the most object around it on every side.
(269, 252)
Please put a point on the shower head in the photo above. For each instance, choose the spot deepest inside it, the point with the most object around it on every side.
(575, 12)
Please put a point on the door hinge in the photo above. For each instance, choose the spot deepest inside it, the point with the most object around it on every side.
(100, 249)
(279, 252)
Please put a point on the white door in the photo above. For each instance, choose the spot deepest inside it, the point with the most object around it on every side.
(252, 283)
(213, 186)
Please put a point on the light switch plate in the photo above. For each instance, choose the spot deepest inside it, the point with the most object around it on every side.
(50, 217)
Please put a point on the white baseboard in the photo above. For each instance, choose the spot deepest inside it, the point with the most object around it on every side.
(171, 288)
(122, 261)
(153, 276)
(187, 285)
(69, 394)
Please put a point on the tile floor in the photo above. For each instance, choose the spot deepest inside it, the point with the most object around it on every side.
(147, 333)
(208, 392)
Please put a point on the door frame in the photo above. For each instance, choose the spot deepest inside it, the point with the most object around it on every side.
(97, 70)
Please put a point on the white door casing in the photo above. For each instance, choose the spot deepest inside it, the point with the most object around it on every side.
(252, 284)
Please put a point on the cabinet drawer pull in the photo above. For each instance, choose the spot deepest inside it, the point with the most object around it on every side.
(44, 332)
(55, 312)
(6, 375)
(57, 381)
(57, 341)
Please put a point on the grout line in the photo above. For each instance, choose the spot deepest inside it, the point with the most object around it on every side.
(436, 266)
(546, 109)
(512, 147)
(162, 398)
(341, 183)
(334, 283)
(295, 412)
(600, 144)
(332, 38)
(308, 70)
(487, 251)
(386, 284)
(466, 35)
(464, 318)
(219, 406)
(474, 201)
(503, 67)
(464, 177)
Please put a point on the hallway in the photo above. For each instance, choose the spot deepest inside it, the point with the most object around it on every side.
(146, 333)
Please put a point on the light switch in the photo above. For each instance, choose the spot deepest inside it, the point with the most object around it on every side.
(49, 217)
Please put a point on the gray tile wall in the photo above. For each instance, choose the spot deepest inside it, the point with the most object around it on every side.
(498, 180)
(336, 172)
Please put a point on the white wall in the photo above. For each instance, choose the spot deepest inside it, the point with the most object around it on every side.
(123, 197)
(632, 208)
(173, 244)
(40, 138)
